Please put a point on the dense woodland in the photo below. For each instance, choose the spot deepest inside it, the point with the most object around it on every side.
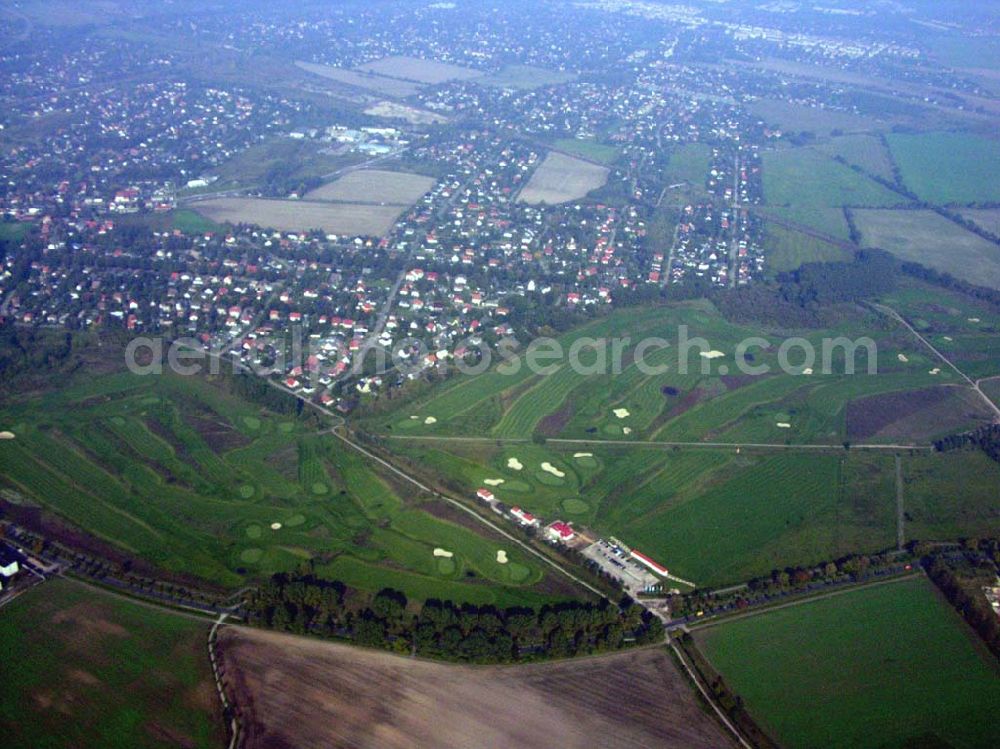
(302, 603)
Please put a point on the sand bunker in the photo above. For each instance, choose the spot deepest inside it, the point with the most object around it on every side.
(902, 357)
(973, 319)
(439, 552)
(807, 371)
(514, 463)
(936, 370)
(501, 556)
(711, 354)
(275, 526)
(492, 482)
(948, 338)
(621, 413)
(6, 435)
(783, 425)
(583, 455)
(626, 430)
(549, 468)
(430, 420)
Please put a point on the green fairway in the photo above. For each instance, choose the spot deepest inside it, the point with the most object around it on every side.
(721, 515)
(886, 666)
(948, 167)
(181, 473)
(86, 669)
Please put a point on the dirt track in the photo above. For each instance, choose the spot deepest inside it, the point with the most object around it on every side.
(299, 693)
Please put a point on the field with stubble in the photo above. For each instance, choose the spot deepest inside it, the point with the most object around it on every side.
(297, 692)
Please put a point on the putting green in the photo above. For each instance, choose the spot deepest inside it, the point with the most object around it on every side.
(286, 426)
(254, 531)
(295, 520)
(252, 422)
(544, 477)
(445, 566)
(246, 491)
(251, 556)
(587, 461)
(118, 421)
(574, 506)
(319, 487)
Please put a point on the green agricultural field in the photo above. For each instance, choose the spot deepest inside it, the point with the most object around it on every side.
(721, 518)
(806, 672)
(865, 151)
(802, 118)
(810, 185)
(951, 495)
(689, 163)
(587, 149)
(178, 472)
(95, 670)
(191, 222)
(930, 239)
(525, 77)
(948, 167)
(787, 249)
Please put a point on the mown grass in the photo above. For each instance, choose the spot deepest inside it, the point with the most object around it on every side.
(884, 666)
(178, 472)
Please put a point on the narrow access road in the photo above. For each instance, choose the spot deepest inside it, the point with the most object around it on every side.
(885, 309)
(461, 506)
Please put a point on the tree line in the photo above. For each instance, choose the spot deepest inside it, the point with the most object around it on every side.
(304, 604)
(986, 438)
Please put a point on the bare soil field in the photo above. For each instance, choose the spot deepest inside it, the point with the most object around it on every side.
(368, 81)
(374, 186)
(915, 414)
(931, 239)
(302, 215)
(421, 71)
(296, 692)
(395, 110)
(560, 178)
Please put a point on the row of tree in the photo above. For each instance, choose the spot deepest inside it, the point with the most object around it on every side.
(986, 438)
(962, 584)
(305, 604)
